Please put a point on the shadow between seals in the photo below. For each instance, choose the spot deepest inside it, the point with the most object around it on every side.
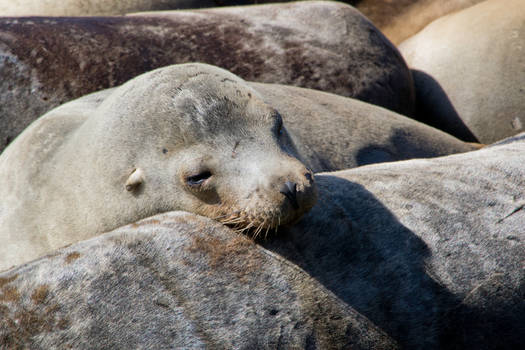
(357, 249)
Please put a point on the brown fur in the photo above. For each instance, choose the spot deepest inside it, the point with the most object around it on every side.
(400, 19)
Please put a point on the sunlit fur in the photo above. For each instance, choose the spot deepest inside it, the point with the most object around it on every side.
(80, 170)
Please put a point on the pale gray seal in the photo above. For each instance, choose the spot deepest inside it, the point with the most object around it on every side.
(189, 137)
(430, 250)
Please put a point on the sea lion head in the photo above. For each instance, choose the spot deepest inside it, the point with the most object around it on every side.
(195, 137)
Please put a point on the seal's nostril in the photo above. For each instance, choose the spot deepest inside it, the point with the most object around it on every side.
(308, 177)
(292, 186)
(289, 189)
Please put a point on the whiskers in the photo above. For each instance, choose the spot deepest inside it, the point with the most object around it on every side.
(242, 223)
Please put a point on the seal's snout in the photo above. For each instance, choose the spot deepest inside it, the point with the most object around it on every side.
(296, 192)
(289, 189)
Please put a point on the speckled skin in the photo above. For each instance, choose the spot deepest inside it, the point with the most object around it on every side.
(45, 62)
(180, 281)
(431, 251)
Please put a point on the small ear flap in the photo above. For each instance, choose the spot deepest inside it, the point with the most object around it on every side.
(135, 179)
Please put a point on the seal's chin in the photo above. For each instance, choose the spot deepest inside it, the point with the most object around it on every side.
(264, 222)
(255, 227)
(264, 213)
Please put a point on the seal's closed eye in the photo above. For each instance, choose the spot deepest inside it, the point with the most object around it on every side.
(198, 179)
(278, 124)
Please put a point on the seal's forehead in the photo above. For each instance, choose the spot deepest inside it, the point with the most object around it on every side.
(208, 111)
(204, 104)
(190, 75)
(217, 83)
(162, 81)
(211, 97)
(194, 71)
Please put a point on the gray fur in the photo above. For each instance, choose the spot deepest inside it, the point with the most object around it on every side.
(329, 46)
(174, 281)
(431, 251)
(331, 132)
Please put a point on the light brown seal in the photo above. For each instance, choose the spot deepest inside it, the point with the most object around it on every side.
(477, 57)
(188, 137)
(400, 19)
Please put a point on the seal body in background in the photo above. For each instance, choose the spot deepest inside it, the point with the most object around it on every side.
(470, 65)
(323, 45)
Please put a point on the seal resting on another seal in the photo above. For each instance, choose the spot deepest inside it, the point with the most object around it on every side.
(187, 137)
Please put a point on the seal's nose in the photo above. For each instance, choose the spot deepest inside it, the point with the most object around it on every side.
(289, 189)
